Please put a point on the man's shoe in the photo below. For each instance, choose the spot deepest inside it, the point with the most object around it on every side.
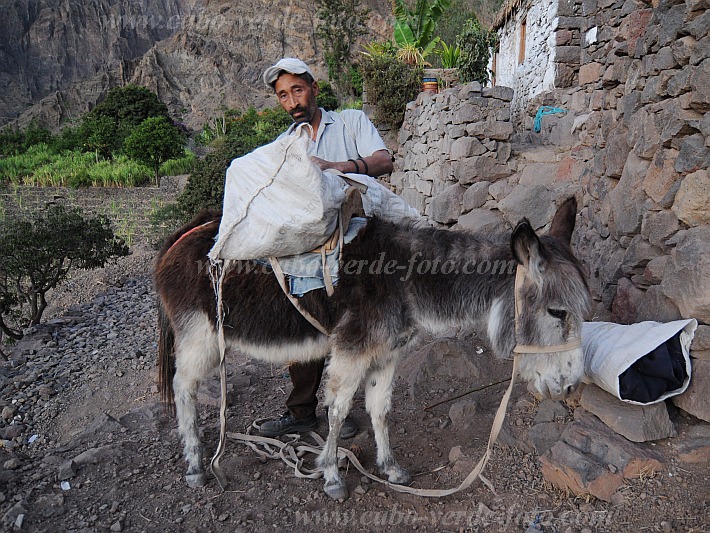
(349, 428)
(288, 424)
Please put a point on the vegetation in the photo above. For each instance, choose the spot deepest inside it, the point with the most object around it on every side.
(107, 125)
(327, 99)
(390, 84)
(153, 142)
(341, 23)
(39, 252)
(414, 28)
(93, 153)
(449, 56)
(476, 43)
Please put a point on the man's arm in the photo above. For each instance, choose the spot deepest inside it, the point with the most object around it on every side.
(374, 165)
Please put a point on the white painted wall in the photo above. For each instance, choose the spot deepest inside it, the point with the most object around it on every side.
(537, 72)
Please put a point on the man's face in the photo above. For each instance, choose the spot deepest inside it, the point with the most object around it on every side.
(297, 97)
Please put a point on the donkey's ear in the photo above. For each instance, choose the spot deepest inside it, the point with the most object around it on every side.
(562, 224)
(528, 250)
(526, 246)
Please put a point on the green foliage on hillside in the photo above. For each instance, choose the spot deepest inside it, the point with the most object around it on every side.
(341, 23)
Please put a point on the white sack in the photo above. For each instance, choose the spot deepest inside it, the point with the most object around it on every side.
(379, 201)
(277, 202)
(610, 349)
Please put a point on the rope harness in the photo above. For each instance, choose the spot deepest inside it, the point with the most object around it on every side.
(292, 451)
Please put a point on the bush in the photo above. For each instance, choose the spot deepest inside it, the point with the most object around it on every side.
(475, 42)
(38, 253)
(390, 84)
(205, 188)
(327, 98)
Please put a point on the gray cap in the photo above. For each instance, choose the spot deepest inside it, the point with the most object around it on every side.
(287, 64)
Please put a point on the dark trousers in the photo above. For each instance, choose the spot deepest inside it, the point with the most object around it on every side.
(306, 378)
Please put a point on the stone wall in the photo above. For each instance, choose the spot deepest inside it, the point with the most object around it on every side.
(128, 209)
(633, 146)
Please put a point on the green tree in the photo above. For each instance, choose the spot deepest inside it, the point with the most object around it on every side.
(107, 125)
(476, 43)
(38, 252)
(341, 23)
(153, 142)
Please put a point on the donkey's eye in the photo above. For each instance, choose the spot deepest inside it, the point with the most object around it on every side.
(560, 314)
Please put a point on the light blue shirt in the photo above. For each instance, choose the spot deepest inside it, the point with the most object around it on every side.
(342, 136)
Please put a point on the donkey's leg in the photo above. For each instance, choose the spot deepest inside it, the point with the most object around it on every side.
(196, 357)
(378, 400)
(345, 372)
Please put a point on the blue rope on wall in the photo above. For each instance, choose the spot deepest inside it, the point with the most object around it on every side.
(542, 111)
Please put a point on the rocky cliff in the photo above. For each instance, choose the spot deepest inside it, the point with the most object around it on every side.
(58, 57)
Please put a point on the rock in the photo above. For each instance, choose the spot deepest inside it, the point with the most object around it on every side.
(67, 470)
(466, 147)
(580, 460)
(686, 281)
(539, 174)
(12, 464)
(8, 412)
(13, 514)
(626, 201)
(463, 414)
(638, 423)
(445, 207)
(550, 411)
(544, 435)
(480, 168)
(659, 226)
(695, 400)
(662, 181)
(696, 451)
(481, 221)
(700, 88)
(475, 196)
(536, 203)
(691, 200)
(626, 302)
(693, 154)
(700, 347)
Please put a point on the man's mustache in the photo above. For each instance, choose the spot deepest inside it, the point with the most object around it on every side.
(297, 110)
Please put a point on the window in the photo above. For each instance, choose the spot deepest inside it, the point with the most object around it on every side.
(521, 49)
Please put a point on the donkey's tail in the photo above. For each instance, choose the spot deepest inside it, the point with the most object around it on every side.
(166, 359)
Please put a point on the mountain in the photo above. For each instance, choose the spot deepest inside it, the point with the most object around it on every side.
(59, 57)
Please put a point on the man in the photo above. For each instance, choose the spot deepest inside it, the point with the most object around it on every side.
(347, 142)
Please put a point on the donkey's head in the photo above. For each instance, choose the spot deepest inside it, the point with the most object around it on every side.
(553, 300)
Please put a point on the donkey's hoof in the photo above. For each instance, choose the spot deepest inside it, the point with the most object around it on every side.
(337, 491)
(400, 476)
(196, 480)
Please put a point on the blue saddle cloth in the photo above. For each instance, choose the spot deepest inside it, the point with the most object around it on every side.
(305, 271)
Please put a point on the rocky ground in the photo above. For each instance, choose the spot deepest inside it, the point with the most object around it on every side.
(87, 447)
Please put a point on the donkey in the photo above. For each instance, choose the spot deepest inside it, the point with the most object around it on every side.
(395, 281)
